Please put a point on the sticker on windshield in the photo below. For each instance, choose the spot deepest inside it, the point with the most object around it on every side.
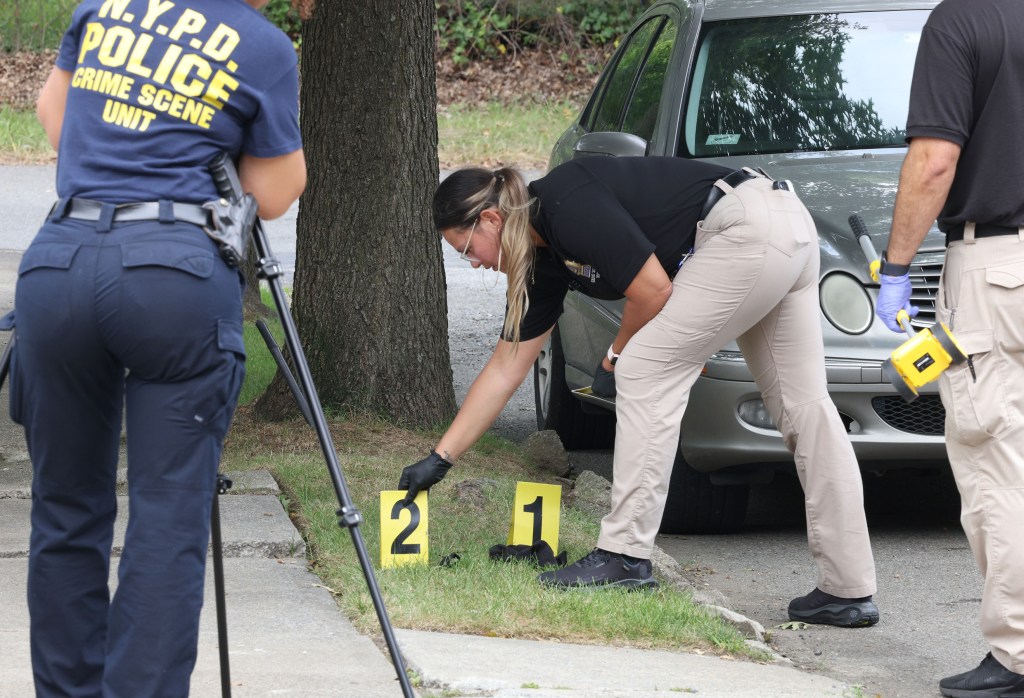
(723, 139)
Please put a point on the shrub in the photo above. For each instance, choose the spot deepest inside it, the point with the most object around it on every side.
(34, 25)
(466, 30)
(474, 29)
(281, 13)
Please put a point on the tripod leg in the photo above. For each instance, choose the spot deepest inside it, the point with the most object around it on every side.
(348, 516)
(223, 485)
(228, 185)
(282, 365)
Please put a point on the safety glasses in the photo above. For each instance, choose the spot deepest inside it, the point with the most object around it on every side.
(465, 250)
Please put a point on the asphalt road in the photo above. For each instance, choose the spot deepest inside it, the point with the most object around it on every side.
(929, 588)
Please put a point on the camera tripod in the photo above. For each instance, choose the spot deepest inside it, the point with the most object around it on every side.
(229, 187)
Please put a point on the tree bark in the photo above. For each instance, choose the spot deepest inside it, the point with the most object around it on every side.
(369, 296)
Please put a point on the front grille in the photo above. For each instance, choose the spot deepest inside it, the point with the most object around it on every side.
(925, 415)
(924, 277)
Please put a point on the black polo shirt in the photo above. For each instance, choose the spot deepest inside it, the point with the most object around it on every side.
(968, 88)
(602, 218)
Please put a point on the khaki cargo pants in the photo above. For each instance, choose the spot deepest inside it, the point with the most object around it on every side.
(981, 300)
(753, 278)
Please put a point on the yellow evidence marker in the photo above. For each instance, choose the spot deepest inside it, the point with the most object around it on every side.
(535, 514)
(403, 529)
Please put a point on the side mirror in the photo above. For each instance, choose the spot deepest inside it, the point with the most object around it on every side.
(610, 143)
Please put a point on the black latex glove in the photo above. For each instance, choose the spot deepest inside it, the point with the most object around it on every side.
(423, 475)
(604, 381)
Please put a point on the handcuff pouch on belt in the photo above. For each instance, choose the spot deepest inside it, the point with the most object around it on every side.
(230, 226)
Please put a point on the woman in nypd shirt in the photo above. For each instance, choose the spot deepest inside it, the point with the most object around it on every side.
(125, 306)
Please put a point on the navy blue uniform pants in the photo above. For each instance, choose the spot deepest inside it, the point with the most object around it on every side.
(143, 319)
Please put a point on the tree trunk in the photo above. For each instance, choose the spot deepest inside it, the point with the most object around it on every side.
(369, 295)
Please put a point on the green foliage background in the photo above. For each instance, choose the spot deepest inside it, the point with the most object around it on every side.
(466, 29)
(34, 25)
(474, 29)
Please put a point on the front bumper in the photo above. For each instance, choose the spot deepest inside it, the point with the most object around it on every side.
(885, 431)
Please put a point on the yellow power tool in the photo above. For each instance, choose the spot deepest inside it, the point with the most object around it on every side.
(925, 355)
(921, 359)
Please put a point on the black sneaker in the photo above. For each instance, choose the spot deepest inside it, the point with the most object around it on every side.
(990, 679)
(819, 607)
(602, 568)
(1015, 691)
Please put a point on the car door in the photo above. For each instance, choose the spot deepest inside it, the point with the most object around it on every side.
(622, 118)
(628, 95)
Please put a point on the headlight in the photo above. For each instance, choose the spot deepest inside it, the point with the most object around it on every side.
(755, 413)
(846, 303)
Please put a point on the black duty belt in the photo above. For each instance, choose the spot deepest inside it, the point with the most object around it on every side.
(981, 230)
(164, 211)
(733, 179)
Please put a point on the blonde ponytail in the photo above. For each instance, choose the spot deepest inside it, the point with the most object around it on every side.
(517, 247)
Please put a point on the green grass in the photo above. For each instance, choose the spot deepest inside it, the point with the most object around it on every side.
(22, 138)
(260, 366)
(475, 595)
(487, 134)
(491, 134)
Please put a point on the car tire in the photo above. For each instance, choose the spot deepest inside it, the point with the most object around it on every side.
(559, 410)
(696, 505)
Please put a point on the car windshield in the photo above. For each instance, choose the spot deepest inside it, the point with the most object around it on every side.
(802, 83)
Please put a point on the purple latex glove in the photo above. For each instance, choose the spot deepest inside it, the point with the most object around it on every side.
(894, 296)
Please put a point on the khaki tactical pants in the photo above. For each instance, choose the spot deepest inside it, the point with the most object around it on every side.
(981, 300)
(753, 278)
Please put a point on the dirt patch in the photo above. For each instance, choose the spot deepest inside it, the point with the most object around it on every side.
(22, 75)
(355, 434)
(537, 75)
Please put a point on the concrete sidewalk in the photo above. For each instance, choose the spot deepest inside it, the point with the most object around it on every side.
(288, 638)
(286, 635)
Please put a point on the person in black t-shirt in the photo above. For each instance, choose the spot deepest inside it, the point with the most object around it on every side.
(626, 227)
(964, 167)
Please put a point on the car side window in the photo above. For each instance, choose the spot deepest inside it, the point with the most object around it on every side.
(642, 111)
(619, 82)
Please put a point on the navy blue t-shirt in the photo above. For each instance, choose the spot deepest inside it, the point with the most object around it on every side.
(159, 88)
